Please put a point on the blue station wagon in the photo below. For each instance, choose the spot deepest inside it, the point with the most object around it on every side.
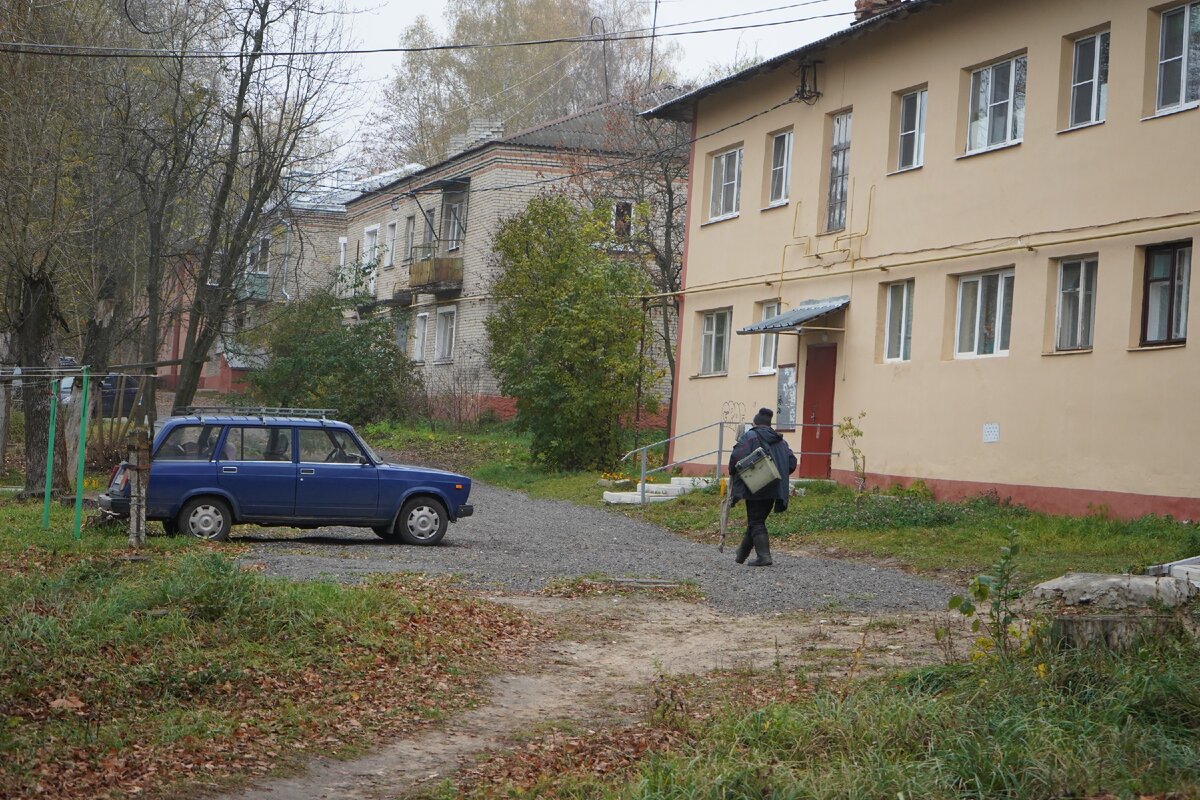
(208, 473)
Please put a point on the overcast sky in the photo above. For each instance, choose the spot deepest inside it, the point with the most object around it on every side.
(378, 23)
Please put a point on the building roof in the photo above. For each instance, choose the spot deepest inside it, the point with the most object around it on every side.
(322, 197)
(586, 131)
(682, 107)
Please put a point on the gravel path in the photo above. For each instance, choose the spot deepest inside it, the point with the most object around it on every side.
(519, 543)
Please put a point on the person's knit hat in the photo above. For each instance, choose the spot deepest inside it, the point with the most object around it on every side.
(764, 416)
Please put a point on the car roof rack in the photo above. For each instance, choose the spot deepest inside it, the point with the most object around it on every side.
(255, 411)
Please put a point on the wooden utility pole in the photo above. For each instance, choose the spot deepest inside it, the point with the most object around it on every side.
(139, 473)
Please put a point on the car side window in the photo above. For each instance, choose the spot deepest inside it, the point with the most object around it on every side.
(257, 444)
(329, 446)
(189, 443)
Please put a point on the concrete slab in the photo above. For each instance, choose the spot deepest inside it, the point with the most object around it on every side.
(1115, 592)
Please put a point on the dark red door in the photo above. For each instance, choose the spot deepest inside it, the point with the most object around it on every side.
(816, 437)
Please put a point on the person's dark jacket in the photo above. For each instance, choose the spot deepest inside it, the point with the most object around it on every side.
(781, 454)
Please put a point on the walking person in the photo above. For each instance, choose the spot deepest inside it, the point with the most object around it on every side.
(773, 496)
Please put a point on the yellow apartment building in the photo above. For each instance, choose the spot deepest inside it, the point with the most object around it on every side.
(972, 220)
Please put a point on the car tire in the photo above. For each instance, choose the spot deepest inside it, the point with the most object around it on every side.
(206, 518)
(422, 521)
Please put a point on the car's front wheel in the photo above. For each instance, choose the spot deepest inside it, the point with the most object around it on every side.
(206, 518)
(423, 520)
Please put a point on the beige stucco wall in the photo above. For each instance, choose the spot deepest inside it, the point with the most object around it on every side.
(1118, 418)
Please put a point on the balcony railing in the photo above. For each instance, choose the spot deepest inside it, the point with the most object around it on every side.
(436, 274)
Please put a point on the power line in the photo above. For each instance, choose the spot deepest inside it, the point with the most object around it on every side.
(86, 51)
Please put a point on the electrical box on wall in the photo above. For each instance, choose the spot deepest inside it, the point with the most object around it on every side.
(991, 432)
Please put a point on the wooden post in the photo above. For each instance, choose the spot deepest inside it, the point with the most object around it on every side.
(139, 474)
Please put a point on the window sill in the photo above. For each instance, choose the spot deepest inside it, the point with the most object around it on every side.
(977, 357)
(894, 361)
(770, 374)
(1083, 126)
(439, 362)
(913, 168)
(1149, 347)
(715, 220)
(777, 204)
(420, 363)
(1072, 352)
(833, 232)
(389, 266)
(1167, 112)
(992, 149)
(708, 375)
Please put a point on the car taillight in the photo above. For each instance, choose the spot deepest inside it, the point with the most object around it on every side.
(113, 473)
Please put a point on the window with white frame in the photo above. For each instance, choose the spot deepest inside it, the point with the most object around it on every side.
(1168, 281)
(725, 199)
(1076, 303)
(984, 314)
(897, 345)
(420, 330)
(781, 166)
(1089, 80)
(410, 232)
(839, 172)
(1179, 57)
(997, 105)
(768, 347)
(371, 244)
(444, 340)
(258, 257)
(454, 220)
(911, 151)
(343, 280)
(714, 342)
(389, 258)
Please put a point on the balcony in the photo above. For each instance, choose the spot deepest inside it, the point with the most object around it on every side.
(253, 286)
(440, 275)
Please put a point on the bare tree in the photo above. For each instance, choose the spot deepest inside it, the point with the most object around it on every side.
(269, 106)
(434, 94)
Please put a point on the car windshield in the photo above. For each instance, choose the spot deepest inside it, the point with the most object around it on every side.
(370, 453)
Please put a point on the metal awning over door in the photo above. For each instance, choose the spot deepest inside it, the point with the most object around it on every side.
(791, 320)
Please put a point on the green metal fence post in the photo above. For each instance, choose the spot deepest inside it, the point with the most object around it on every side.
(83, 423)
(50, 454)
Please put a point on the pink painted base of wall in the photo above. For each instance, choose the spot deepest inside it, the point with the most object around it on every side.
(1049, 499)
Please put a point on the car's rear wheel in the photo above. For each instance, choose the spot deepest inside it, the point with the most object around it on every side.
(206, 518)
(423, 520)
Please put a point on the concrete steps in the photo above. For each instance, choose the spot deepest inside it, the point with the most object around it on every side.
(657, 492)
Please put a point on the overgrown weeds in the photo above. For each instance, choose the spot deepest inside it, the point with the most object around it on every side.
(140, 674)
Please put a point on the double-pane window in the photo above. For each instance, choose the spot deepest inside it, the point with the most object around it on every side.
(1076, 303)
(1179, 57)
(726, 184)
(912, 130)
(714, 343)
(257, 444)
(898, 346)
(839, 172)
(768, 349)
(622, 221)
(189, 443)
(410, 227)
(984, 314)
(1168, 277)
(1089, 80)
(997, 105)
(444, 344)
(781, 166)
(390, 258)
(370, 244)
(420, 329)
(453, 217)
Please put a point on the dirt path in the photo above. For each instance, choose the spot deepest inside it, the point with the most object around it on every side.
(608, 652)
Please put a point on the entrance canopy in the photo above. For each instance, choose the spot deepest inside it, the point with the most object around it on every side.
(805, 312)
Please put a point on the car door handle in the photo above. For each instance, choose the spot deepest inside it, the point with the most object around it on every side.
(308, 472)
(228, 469)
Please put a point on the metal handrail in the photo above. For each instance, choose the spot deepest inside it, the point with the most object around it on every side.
(720, 425)
(720, 451)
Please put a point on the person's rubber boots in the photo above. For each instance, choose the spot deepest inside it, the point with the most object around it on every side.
(762, 548)
(743, 551)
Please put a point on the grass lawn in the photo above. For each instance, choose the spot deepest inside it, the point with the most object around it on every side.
(951, 539)
(172, 670)
(1045, 724)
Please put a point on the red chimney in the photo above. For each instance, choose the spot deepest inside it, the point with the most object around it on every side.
(865, 9)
